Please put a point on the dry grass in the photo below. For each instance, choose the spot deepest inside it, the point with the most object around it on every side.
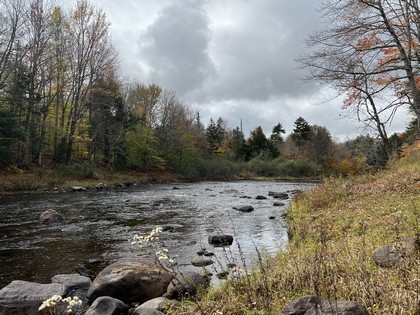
(47, 180)
(335, 229)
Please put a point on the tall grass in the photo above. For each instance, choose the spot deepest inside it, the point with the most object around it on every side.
(335, 228)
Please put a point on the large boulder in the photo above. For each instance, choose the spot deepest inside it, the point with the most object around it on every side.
(314, 305)
(392, 254)
(220, 240)
(50, 216)
(106, 305)
(131, 280)
(186, 284)
(24, 295)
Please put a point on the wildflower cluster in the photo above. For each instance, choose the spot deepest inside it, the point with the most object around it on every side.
(153, 236)
(163, 255)
(56, 301)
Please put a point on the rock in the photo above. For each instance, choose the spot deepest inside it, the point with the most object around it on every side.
(168, 228)
(78, 188)
(230, 191)
(222, 275)
(278, 204)
(271, 217)
(244, 208)
(131, 280)
(147, 311)
(161, 304)
(278, 195)
(392, 254)
(313, 305)
(186, 284)
(201, 262)
(259, 197)
(50, 216)
(106, 305)
(208, 254)
(220, 240)
(72, 282)
(27, 295)
(100, 186)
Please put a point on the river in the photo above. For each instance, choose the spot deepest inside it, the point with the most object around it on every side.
(99, 226)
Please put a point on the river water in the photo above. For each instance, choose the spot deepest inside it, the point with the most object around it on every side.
(99, 226)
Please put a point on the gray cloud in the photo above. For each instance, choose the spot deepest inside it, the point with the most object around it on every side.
(228, 58)
(175, 48)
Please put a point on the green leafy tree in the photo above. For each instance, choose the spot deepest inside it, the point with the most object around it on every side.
(141, 147)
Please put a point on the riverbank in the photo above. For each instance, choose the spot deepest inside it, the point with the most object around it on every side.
(334, 230)
(48, 180)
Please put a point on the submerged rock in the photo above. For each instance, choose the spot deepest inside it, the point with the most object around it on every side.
(220, 240)
(50, 216)
(201, 262)
(279, 195)
(78, 188)
(244, 208)
(259, 197)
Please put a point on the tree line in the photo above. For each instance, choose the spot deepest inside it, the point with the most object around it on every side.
(62, 100)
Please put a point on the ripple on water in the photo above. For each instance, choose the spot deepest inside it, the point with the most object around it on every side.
(99, 226)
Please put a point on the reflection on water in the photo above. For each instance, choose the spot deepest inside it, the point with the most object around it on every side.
(99, 226)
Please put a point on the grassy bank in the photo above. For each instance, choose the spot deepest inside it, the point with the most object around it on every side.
(42, 179)
(85, 174)
(334, 230)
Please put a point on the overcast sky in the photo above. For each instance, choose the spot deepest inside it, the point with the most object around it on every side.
(233, 59)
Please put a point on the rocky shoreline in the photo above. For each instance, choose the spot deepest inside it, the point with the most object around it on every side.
(140, 286)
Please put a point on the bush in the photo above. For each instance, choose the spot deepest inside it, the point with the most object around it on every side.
(298, 168)
(86, 170)
(210, 169)
(261, 167)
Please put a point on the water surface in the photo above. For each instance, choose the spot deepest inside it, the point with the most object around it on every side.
(99, 226)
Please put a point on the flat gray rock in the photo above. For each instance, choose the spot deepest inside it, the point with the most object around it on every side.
(21, 294)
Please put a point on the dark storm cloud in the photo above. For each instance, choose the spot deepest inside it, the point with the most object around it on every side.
(233, 59)
(175, 47)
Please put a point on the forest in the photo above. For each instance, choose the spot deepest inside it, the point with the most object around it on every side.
(63, 102)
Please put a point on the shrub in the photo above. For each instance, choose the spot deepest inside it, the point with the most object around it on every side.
(86, 170)
(298, 168)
